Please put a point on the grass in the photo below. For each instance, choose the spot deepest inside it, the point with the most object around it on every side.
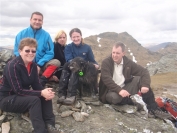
(163, 79)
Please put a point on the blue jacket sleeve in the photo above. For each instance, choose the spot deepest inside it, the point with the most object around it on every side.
(49, 52)
(16, 45)
(68, 53)
(91, 56)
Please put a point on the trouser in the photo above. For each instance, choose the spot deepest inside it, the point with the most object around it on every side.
(132, 87)
(50, 67)
(68, 82)
(48, 70)
(40, 110)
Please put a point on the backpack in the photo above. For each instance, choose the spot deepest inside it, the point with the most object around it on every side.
(169, 106)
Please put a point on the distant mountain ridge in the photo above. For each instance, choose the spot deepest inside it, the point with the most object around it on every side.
(156, 48)
(7, 47)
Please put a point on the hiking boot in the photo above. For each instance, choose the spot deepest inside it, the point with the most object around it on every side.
(139, 106)
(60, 99)
(52, 129)
(69, 100)
(158, 113)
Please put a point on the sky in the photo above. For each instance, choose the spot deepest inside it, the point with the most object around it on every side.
(148, 21)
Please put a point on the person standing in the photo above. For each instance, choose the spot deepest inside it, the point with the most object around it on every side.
(69, 81)
(21, 90)
(45, 50)
(121, 78)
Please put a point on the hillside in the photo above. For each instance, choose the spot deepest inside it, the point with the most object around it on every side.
(169, 49)
(107, 39)
(157, 47)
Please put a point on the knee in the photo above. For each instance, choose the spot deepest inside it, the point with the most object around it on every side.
(35, 99)
(113, 98)
(56, 62)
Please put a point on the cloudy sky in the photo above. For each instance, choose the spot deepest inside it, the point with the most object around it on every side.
(148, 21)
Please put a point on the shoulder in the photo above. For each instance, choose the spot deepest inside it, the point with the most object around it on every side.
(44, 32)
(13, 63)
(86, 45)
(24, 30)
(125, 58)
(69, 45)
(107, 60)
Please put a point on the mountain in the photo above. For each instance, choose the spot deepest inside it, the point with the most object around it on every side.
(102, 45)
(157, 47)
(9, 47)
(170, 48)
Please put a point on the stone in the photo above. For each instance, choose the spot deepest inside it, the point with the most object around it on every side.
(67, 113)
(6, 127)
(78, 116)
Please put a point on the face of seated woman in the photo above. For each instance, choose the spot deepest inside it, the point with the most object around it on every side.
(28, 54)
(76, 38)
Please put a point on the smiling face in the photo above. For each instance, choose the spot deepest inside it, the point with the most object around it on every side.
(27, 54)
(76, 38)
(36, 21)
(117, 54)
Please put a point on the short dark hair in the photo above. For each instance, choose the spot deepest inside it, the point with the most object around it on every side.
(37, 13)
(78, 31)
(119, 44)
(31, 42)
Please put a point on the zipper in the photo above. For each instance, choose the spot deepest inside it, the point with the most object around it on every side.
(27, 70)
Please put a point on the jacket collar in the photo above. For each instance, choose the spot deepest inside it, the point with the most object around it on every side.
(34, 30)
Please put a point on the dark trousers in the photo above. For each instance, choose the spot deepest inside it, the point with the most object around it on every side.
(132, 87)
(68, 83)
(40, 110)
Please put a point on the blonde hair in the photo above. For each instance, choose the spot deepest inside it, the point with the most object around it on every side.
(31, 42)
(58, 36)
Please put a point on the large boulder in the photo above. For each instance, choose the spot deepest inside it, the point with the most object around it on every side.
(167, 63)
(5, 56)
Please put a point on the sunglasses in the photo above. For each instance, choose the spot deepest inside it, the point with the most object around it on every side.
(32, 51)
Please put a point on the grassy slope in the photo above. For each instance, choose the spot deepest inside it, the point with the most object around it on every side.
(164, 79)
(165, 85)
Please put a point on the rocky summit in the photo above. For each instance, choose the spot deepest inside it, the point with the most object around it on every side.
(89, 115)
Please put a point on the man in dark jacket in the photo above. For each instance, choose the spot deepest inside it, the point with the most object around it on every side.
(121, 77)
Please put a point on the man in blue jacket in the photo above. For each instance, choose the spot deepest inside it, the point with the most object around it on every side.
(45, 50)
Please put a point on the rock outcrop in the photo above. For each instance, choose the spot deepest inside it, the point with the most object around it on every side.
(167, 63)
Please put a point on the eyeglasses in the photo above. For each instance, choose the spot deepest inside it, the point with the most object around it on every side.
(32, 51)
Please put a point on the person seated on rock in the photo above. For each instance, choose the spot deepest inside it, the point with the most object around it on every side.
(59, 47)
(69, 81)
(121, 78)
(45, 50)
(21, 90)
